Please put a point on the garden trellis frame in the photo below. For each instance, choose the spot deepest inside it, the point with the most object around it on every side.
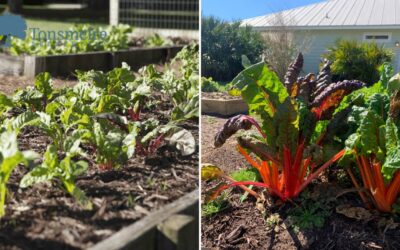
(156, 14)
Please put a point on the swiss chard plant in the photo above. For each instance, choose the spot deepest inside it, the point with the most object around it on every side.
(289, 149)
(10, 157)
(66, 170)
(183, 88)
(374, 147)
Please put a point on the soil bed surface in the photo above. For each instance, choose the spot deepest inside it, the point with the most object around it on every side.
(245, 225)
(218, 96)
(46, 217)
(8, 84)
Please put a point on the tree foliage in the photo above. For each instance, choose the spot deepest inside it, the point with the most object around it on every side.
(223, 45)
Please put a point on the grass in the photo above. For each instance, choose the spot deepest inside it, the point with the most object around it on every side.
(56, 25)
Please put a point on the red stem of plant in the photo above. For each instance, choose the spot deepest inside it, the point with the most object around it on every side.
(248, 190)
(319, 171)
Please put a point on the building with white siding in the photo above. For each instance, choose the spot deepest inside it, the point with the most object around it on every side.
(325, 22)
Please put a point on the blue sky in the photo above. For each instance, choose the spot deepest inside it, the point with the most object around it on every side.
(232, 10)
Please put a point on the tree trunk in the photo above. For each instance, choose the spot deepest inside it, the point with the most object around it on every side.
(15, 6)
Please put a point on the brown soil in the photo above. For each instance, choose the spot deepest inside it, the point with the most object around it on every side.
(218, 95)
(45, 217)
(243, 226)
(8, 84)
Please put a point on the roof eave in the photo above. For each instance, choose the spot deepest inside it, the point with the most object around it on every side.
(339, 27)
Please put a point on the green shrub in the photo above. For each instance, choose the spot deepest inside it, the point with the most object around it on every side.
(223, 45)
(355, 60)
(208, 85)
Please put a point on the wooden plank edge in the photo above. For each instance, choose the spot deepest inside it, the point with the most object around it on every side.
(128, 235)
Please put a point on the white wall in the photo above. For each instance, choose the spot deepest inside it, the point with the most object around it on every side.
(321, 40)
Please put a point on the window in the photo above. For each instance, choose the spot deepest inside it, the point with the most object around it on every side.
(377, 37)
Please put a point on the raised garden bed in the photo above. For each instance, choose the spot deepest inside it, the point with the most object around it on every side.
(218, 103)
(134, 151)
(65, 65)
(44, 217)
(175, 226)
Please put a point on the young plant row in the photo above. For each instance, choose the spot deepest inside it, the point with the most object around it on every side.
(306, 124)
(111, 38)
(102, 115)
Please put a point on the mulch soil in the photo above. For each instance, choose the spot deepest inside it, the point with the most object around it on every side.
(218, 96)
(245, 225)
(9, 84)
(46, 217)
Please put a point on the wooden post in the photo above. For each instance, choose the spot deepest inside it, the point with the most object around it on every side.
(15, 6)
(178, 232)
(114, 12)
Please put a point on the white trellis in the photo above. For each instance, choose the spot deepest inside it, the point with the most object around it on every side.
(178, 15)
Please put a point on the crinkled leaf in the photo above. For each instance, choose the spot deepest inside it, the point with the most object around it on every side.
(370, 128)
(232, 126)
(210, 172)
(293, 72)
(260, 87)
(379, 103)
(325, 103)
(286, 124)
(184, 141)
(130, 141)
(37, 175)
(43, 84)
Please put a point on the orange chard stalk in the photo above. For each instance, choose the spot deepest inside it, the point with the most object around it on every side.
(383, 196)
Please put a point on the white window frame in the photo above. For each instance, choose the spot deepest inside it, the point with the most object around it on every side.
(377, 34)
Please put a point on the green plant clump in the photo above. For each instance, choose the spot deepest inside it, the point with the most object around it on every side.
(116, 39)
(209, 85)
(355, 60)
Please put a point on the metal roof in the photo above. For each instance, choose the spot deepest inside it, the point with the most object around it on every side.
(335, 14)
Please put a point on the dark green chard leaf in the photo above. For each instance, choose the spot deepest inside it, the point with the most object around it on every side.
(379, 103)
(392, 140)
